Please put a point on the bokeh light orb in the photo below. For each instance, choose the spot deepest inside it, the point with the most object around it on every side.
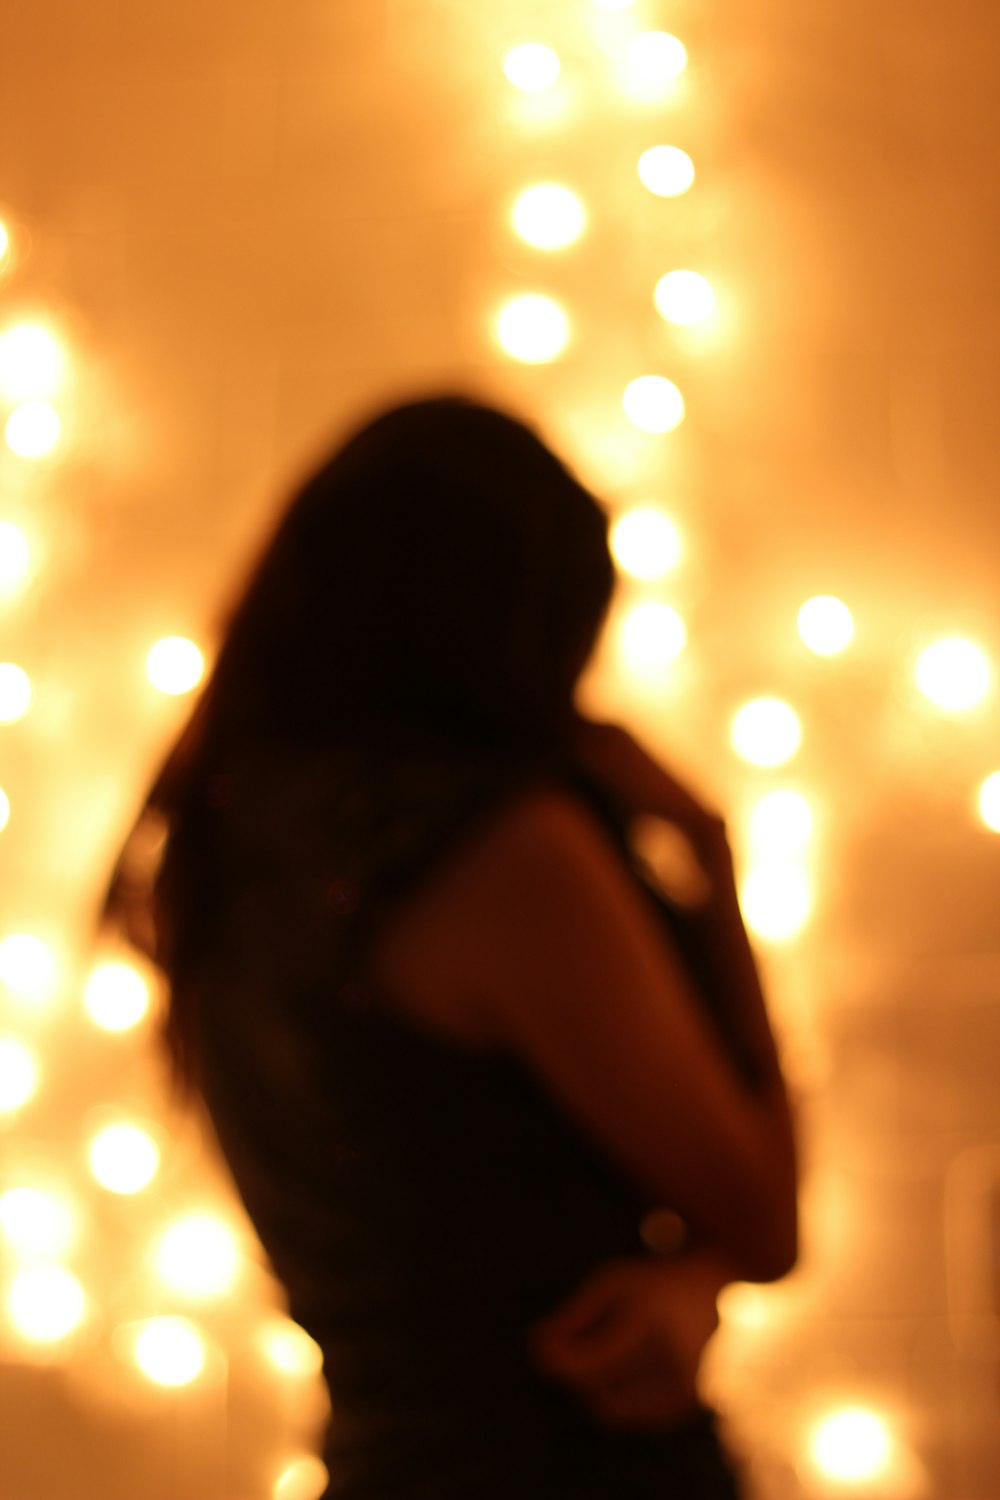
(652, 635)
(4, 244)
(37, 1225)
(954, 673)
(826, 625)
(666, 171)
(988, 801)
(684, 298)
(548, 216)
(303, 1479)
(656, 57)
(290, 1349)
(532, 328)
(852, 1445)
(198, 1256)
(115, 997)
(614, 4)
(653, 403)
(765, 732)
(123, 1158)
(780, 823)
(775, 900)
(15, 560)
(18, 1074)
(175, 665)
(4, 809)
(32, 363)
(645, 543)
(26, 963)
(45, 1303)
(170, 1351)
(531, 67)
(15, 692)
(33, 429)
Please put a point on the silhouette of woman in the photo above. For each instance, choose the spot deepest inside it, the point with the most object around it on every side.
(455, 1045)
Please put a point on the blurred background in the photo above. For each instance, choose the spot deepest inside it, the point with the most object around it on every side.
(739, 264)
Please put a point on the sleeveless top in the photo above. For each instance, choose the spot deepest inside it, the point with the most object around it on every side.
(421, 1202)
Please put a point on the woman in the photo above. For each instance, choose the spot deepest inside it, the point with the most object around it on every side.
(454, 1045)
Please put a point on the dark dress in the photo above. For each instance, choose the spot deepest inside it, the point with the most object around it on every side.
(421, 1202)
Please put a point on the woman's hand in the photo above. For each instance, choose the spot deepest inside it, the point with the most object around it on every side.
(628, 1341)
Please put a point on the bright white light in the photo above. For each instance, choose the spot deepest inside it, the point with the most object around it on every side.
(781, 823)
(653, 635)
(548, 216)
(666, 171)
(852, 1445)
(989, 801)
(656, 57)
(653, 403)
(531, 67)
(4, 810)
(4, 244)
(31, 363)
(37, 1225)
(825, 625)
(290, 1349)
(198, 1256)
(532, 328)
(304, 1479)
(175, 665)
(116, 997)
(15, 692)
(766, 732)
(953, 673)
(33, 429)
(613, 4)
(775, 900)
(684, 298)
(45, 1303)
(645, 543)
(170, 1351)
(18, 1074)
(123, 1158)
(15, 560)
(26, 963)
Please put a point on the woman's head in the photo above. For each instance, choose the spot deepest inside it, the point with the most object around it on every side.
(441, 574)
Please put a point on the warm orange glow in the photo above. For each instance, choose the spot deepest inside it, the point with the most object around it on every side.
(175, 665)
(33, 429)
(18, 1074)
(304, 1479)
(954, 673)
(766, 732)
(645, 543)
(4, 809)
(198, 1256)
(32, 363)
(37, 1225)
(989, 801)
(666, 171)
(532, 328)
(548, 216)
(531, 67)
(826, 625)
(4, 245)
(653, 403)
(15, 692)
(684, 298)
(290, 1349)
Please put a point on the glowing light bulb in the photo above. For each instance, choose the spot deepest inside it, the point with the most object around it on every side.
(775, 900)
(656, 57)
(33, 429)
(18, 1074)
(170, 1351)
(4, 810)
(290, 1349)
(116, 997)
(825, 625)
(36, 1224)
(781, 823)
(198, 1256)
(645, 543)
(175, 665)
(532, 328)
(684, 298)
(653, 403)
(123, 1158)
(4, 244)
(852, 1445)
(26, 964)
(15, 693)
(653, 635)
(989, 801)
(15, 560)
(666, 171)
(548, 216)
(45, 1303)
(31, 363)
(304, 1479)
(953, 673)
(531, 67)
(766, 732)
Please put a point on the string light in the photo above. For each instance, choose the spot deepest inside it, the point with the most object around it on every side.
(548, 216)
(684, 298)
(775, 900)
(653, 635)
(33, 429)
(15, 560)
(532, 328)
(4, 246)
(531, 67)
(37, 1225)
(4, 810)
(653, 403)
(15, 692)
(666, 171)
(26, 964)
(825, 625)
(198, 1256)
(645, 543)
(780, 823)
(766, 732)
(45, 1303)
(18, 1074)
(304, 1479)
(954, 673)
(655, 57)
(170, 1351)
(290, 1349)
(32, 363)
(989, 801)
(175, 665)
(123, 1158)
(852, 1445)
(116, 997)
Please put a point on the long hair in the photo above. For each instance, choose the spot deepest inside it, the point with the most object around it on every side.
(439, 580)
